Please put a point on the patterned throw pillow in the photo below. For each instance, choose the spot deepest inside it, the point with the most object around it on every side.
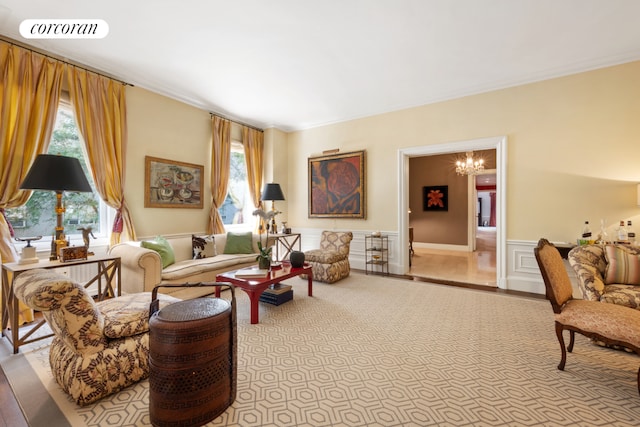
(164, 249)
(623, 267)
(203, 246)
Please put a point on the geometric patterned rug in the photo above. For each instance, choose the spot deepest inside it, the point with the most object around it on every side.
(377, 351)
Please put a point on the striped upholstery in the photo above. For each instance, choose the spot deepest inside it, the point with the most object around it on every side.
(623, 266)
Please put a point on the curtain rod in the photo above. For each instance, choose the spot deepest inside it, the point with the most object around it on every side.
(237, 122)
(59, 59)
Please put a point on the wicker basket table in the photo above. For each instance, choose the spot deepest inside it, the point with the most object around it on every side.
(192, 361)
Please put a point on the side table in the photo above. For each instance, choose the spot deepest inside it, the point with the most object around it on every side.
(286, 242)
(108, 278)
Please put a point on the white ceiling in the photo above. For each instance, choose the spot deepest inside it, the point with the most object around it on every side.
(296, 64)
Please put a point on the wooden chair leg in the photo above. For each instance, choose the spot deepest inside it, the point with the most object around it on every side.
(572, 339)
(563, 360)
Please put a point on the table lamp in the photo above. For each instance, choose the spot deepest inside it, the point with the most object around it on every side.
(59, 174)
(273, 192)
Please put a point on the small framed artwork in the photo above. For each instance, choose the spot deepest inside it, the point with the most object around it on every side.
(172, 184)
(337, 185)
(435, 198)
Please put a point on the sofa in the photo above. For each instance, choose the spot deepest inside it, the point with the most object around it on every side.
(609, 273)
(143, 268)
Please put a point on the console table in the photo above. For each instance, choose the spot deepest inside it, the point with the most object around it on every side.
(288, 243)
(107, 275)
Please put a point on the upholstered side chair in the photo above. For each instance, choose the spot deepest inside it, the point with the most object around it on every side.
(330, 263)
(98, 348)
(611, 324)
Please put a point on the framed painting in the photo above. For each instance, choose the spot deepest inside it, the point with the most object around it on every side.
(435, 198)
(172, 184)
(337, 186)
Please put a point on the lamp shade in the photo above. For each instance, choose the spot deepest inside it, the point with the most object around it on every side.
(272, 191)
(56, 173)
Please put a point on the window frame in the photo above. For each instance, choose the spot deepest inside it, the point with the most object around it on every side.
(106, 214)
(250, 220)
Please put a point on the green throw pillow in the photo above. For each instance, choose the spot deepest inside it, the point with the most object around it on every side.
(239, 243)
(163, 247)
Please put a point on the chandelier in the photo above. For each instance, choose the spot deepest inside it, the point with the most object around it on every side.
(469, 166)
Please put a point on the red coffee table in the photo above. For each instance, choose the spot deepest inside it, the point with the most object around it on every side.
(255, 286)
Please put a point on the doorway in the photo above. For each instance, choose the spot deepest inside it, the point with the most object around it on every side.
(497, 143)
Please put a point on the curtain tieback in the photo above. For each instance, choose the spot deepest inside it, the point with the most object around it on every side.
(117, 222)
(11, 232)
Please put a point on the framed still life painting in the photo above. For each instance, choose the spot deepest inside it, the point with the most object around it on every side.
(172, 184)
(337, 185)
(435, 198)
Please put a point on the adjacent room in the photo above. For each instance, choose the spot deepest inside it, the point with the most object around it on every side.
(298, 213)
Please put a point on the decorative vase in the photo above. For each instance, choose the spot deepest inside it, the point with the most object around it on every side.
(297, 259)
(264, 263)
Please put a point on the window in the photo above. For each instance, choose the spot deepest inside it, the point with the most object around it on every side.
(38, 218)
(237, 209)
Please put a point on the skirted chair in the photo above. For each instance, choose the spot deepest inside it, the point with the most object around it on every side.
(330, 263)
(100, 347)
(611, 324)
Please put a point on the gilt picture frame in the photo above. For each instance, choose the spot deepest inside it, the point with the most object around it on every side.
(337, 185)
(172, 184)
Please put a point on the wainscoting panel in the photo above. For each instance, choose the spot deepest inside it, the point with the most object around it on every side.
(523, 273)
(310, 238)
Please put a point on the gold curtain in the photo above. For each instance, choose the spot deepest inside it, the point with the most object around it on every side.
(253, 142)
(100, 109)
(30, 86)
(220, 165)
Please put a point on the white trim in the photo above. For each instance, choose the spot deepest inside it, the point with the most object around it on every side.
(499, 143)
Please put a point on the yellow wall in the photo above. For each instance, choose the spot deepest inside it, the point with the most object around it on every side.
(573, 152)
(161, 127)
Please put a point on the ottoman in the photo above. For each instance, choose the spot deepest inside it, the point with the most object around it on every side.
(192, 361)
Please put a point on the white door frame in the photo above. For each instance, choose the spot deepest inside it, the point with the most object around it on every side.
(473, 208)
(498, 143)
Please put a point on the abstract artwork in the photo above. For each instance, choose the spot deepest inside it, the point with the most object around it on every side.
(172, 184)
(337, 186)
(435, 198)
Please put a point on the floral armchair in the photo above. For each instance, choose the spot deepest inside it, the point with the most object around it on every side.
(330, 263)
(99, 348)
(609, 273)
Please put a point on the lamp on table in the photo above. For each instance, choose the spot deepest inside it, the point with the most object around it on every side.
(273, 192)
(59, 174)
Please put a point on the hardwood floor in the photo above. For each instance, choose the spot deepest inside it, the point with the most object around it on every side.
(10, 413)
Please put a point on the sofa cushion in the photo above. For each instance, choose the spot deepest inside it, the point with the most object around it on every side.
(626, 295)
(623, 267)
(164, 249)
(203, 246)
(185, 269)
(239, 243)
